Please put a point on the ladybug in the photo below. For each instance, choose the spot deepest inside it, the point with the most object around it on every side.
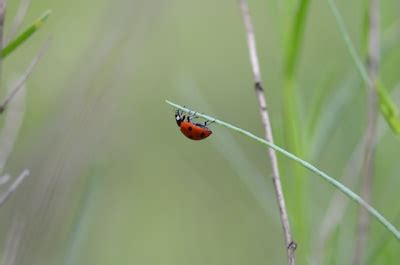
(194, 131)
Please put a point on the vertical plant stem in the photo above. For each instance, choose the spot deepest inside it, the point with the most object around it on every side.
(251, 42)
(371, 130)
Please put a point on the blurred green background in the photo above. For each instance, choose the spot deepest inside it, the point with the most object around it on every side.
(113, 180)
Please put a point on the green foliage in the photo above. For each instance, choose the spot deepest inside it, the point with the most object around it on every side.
(163, 198)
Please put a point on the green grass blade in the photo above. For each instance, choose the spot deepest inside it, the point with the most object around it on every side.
(390, 227)
(292, 126)
(13, 45)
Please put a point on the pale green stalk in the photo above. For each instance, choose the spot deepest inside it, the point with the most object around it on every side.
(305, 164)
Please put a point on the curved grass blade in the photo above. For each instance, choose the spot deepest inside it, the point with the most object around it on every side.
(349, 193)
(13, 45)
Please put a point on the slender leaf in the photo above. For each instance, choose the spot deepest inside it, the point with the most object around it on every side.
(13, 45)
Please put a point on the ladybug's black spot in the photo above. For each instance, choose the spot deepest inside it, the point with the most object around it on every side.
(202, 134)
(190, 136)
(190, 128)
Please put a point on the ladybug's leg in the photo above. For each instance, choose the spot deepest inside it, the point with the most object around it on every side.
(206, 123)
(192, 116)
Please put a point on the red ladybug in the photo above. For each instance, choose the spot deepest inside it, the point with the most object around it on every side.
(194, 131)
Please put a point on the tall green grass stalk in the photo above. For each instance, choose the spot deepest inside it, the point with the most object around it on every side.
(349, 193)
(292, 127)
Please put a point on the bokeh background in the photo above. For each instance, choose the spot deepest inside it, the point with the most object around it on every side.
(113, 181)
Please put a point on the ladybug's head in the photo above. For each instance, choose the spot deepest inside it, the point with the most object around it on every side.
(179, 118)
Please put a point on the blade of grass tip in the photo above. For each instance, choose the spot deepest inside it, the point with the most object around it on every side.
(387, 107)
(20, 82)
(6, 195)
(390, 227)
(13, 45)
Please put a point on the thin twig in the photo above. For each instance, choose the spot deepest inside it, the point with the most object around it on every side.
(371, 130)
(18, 19)
(20, 82)
(4, 197)
(251, 42)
